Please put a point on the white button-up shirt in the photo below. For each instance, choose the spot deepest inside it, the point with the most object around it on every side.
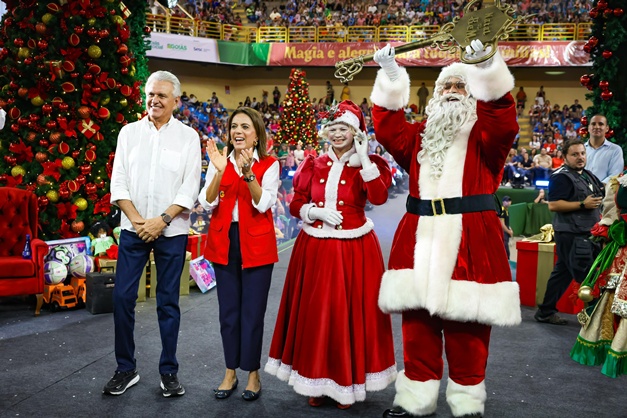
(269, 186)
(155, 169)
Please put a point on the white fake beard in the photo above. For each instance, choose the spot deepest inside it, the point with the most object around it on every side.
(444, 120)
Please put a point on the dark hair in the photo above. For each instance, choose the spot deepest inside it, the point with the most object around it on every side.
(260, 130)
(567, 144)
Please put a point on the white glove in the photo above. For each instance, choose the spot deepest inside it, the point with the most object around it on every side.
(361, 146)
(386, 60)
(475, 51)
(330, 216)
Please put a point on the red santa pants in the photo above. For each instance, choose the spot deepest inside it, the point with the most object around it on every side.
(466, 345)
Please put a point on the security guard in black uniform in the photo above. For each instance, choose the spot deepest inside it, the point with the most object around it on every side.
(575, 195)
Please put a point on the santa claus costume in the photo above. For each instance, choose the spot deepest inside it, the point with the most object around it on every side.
(448, 272)
(331, 339)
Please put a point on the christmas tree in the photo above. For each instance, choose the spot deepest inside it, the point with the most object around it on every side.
(608, 50)
(71, 74)
(298, 122)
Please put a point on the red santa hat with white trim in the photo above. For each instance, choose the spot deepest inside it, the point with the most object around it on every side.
(345, 112)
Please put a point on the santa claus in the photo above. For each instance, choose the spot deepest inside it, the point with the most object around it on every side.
(448, 272)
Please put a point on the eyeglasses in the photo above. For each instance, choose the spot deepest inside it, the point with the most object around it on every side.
(459, 85)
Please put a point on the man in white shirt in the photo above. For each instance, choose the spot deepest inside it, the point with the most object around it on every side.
(605, 158)
(155, 182)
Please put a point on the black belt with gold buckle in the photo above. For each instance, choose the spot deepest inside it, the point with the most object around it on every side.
(452, 205)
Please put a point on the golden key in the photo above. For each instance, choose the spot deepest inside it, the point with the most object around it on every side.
(490, 25)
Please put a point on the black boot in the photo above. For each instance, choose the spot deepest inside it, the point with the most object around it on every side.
(400, 412)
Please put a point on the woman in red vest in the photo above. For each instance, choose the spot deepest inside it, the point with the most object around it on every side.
(241, 188)
(331, 339)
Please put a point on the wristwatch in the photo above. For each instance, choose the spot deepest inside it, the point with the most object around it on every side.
(166, 218)
(582, 205)
(249, 179)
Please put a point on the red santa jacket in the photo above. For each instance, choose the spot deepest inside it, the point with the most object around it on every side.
(257, 238)
(337, 184)
(453, 265)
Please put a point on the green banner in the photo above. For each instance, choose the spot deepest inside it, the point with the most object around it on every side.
(243, 54)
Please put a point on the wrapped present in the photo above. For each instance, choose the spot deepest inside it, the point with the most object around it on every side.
(533, 269)
(196, 245)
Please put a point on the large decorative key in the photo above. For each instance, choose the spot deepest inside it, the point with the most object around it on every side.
(490, 25)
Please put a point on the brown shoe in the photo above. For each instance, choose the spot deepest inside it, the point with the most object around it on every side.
(315, 401)
(553, 319)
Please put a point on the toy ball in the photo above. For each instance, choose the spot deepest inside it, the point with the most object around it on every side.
(54, 272)
(81, 265)
(60, 253)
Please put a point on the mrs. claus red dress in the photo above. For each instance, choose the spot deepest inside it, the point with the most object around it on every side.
(331, 339)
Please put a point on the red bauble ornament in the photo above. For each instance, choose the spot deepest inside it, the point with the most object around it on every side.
(587, 48)
(74, 39)
(93, 32)
(602, 5)
(78, 29)
(33, 117)
(124, 70)
(18, 42)
(77, 226)
(14, 113)
(618, 12)
(85, 169)
(46, 109)
(147, 29)
(609, 133)
(103, 33)
(103, 113)
(64, 148)
(593, 41)
(604, 84)
(64, 194)
(76, 153)
(63, 107)
(41, 157)
(3, 178)
(125, 61)
(607, 13)
(607, 54)
(90, 188)
(73, 186)
(100, 183)
(44, 143)
(41, 180)
(88, 77)
(81, 179)
(122, 49)
(96, 90)
(42, 201)
(55, 137)
(42, 44)
(584, 120)
(594, 13)
(583, 131)
(607, 95)
(15, 127)
(74, 75)
(22, 92)
(90, 155)
(28, 61)
(22, 121)
(83, 112)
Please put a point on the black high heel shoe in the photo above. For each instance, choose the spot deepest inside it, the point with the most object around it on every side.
(249, 395)
(225, 393)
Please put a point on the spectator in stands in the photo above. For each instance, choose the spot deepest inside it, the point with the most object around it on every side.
(289, 168)
(241, 188)
(283, 152)
(276, 96)
(558, 159)
(299, 152)
(507, 230)
(310, 150)
(541, 96)
(542, 165)
(325, 148)
(336, 357)
(330, 97)
(576, 111)
(604, 158)
(521, 100)
(346, 93)
(423, 94)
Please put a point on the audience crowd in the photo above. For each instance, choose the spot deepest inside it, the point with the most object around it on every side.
(361, 13)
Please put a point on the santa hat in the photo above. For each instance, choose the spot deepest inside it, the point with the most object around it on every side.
(457, 69)
(345, 112)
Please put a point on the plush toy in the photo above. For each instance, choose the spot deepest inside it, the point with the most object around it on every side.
(101, 239)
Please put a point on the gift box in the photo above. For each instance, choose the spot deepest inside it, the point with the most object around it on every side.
(533, 268)
(185, 277)
(196, 245)
(109, 265)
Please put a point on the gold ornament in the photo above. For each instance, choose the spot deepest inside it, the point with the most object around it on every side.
(23, 52)
(94, 51)
(18, 170)
(37, 101)
(47, 18)
(53, 196)
(81, 203)
(91, 21)
(585, 294)
(67, 163)
(117, 19)
(123, 102)
(105, 101)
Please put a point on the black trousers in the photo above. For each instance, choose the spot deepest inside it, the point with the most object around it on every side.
(242, 299)
(562, 273)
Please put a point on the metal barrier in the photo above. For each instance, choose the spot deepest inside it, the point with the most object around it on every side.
(338, 33)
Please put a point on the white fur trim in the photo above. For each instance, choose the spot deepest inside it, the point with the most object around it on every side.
(393, 95)
(490, 83)
(304, 213)
(370, 173)
(328, 231)
(348, 118)
(417, 398)
(465, 400)
(457, 69)
(346, 395)
(492, 304)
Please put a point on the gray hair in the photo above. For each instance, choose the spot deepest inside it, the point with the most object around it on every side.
(166, 76)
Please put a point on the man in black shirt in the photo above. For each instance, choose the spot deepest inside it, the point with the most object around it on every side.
(507, 231)
(575, 195)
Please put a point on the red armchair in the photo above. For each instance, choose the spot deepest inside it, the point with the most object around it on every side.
(18, 217)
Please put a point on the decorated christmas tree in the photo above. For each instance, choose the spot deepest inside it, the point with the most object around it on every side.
(71, 73)
(298, 122)
(608, 50)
